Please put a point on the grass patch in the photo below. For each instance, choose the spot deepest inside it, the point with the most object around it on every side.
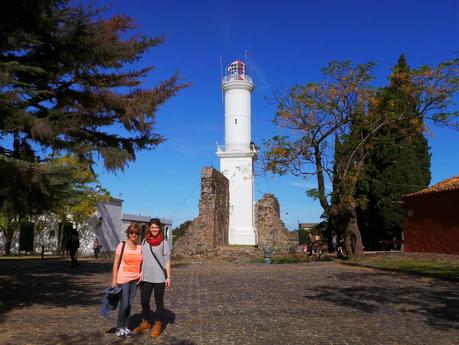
(442, 267)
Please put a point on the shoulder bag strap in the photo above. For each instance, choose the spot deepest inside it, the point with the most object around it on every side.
(164, 270)
(121, 255)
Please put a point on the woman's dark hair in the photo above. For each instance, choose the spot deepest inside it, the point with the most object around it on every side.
(133, 227)
(157, 222)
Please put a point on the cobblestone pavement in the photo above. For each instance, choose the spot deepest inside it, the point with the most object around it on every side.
(309, 303)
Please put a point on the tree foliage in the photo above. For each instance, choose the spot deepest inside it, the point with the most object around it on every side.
(62, 185)
(65, 86)
(67, 89)
(344, 113)
(303, 236)
(180, 230)
(398, 162)
(86, 193)
(314, 113)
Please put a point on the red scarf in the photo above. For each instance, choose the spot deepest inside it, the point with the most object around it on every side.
(152, 240)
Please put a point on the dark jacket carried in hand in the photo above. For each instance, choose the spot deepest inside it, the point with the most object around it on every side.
(110, 300)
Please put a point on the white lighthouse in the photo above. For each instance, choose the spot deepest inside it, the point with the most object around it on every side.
(238, 154)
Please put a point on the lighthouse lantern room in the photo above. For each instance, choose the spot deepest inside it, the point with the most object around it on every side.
(238, 154)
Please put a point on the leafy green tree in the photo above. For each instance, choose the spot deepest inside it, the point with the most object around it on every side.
(318, 114)
(303, 236)
(86, 194)
(342, 113)
(30, 188)
(398, 162)
(180, 230)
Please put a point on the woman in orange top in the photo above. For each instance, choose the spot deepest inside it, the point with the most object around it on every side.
(126, 274)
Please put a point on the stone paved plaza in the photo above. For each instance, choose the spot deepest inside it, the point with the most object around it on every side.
(308, 303)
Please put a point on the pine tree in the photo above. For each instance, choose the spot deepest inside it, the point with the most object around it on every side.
(398, 162)
(66, 89)
(65, 86)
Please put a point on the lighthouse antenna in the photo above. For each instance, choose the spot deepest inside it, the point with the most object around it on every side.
(221, 75)
(246, 62)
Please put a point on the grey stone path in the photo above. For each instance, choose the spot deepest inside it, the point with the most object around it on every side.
(309, 303)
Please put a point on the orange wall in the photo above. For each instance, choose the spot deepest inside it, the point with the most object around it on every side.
(433, 226)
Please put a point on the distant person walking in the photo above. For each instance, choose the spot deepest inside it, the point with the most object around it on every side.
(156, 276)
(334, 242)
(72, 245)
(126, 275)
(96, 246)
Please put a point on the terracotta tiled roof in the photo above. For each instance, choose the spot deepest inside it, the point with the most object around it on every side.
(451, 183)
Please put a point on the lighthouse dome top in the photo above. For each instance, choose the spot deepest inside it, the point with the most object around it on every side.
(236, 70)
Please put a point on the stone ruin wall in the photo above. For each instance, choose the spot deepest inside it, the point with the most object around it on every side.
(214, 205)
(270, 228)
(208, 233)
(210, 228)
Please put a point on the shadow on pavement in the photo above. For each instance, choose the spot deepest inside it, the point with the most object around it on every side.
(52, 283)
(90, 337)
(437, 274)
(440, 306)
(27, 282)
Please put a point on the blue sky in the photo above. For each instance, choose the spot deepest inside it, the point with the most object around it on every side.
(288, 42)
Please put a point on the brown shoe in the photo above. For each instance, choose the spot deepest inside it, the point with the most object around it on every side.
(143, 327)
(157, 329)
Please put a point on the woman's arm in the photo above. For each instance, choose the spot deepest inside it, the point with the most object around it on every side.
(115, 269)
(168, 270)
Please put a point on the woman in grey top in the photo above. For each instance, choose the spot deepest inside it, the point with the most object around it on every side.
(156, 276)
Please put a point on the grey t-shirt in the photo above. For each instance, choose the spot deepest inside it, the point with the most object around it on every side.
(151, 272)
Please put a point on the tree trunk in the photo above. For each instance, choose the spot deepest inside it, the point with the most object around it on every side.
(320, 179)
(352, 238)
(7, 247)
(8, 233)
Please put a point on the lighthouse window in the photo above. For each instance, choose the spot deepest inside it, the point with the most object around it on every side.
(235, 121)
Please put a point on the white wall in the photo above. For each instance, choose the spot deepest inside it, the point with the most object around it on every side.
(237, 116)
(239, 172)
(108, 232)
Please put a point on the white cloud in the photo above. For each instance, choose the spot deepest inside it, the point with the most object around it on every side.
(259, 76)
(302, 184)
(310, 185)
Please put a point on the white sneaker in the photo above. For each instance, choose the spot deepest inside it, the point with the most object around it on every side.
(127, 332)
(120, 333)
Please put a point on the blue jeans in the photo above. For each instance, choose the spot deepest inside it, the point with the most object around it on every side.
(128, 291)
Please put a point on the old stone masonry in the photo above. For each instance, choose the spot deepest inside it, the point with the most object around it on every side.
(210, 229)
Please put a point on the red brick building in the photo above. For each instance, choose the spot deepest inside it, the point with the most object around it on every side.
(431, 218)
